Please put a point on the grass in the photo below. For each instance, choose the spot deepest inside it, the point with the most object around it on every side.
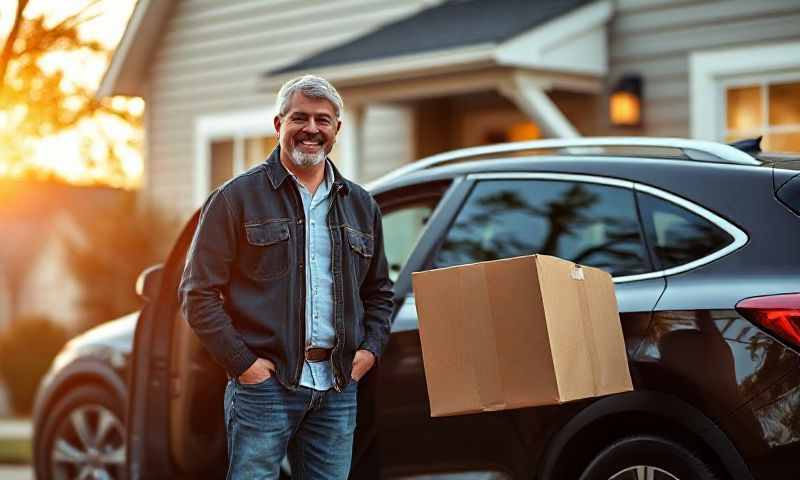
(15, 451)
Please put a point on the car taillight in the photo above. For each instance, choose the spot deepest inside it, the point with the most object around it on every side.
(778, 314)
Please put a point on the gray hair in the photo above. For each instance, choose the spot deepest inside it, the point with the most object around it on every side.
(310, 86)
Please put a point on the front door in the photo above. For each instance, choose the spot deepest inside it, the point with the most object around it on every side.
(175, 427)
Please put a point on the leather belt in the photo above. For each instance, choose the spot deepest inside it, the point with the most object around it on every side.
(318, 354)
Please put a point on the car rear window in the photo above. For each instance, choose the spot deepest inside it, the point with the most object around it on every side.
(678, 236)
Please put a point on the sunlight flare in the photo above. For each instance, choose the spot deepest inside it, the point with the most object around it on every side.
(102, 148)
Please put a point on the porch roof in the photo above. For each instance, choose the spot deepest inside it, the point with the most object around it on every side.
(452, 24)
(549, 36)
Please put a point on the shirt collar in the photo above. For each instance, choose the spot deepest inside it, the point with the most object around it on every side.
(324, 188)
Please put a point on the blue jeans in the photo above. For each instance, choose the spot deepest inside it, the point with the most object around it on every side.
(266, 421)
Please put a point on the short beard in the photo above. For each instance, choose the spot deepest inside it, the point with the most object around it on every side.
(307, 160)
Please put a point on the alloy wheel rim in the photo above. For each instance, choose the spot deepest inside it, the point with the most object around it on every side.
(89, 445)
(643, 472)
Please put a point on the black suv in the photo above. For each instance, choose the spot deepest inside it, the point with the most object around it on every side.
(702, 240)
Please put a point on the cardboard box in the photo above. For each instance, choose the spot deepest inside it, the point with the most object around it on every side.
(518, 332)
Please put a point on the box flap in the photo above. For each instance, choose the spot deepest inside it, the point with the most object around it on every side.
(447, 371)
(585, 332)
(523, 347)
(611, 370)
(565, 312)
(478, 323)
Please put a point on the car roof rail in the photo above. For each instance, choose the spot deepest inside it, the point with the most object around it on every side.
(653, 147)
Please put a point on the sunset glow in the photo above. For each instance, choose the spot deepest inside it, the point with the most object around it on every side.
(80, 154)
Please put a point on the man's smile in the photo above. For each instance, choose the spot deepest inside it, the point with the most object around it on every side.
(310, 144)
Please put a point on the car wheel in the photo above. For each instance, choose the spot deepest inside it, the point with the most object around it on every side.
(645, 457)
(83, 437)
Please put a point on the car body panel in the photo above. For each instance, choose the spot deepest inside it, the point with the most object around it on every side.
(99, 355)
(149, 452)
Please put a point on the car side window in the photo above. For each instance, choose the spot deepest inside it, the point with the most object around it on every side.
(587, 223)
(402, 227)
(678, 236)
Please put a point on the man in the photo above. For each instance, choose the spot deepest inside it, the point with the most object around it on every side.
(286, 284)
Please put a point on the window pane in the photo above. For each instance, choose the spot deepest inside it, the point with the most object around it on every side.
(783, 142)
(784, 104)
(679, 236)
(256, 149)
(401, 230)
(735, 137)
(590, 224)
(221, 162)
(744, 108)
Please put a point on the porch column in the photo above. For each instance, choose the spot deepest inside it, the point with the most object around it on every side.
(351, 141)
(529, 96)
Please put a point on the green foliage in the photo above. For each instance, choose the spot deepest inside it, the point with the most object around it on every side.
(121, 239)
(27, 348)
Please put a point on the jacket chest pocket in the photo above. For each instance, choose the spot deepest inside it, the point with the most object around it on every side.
(362, 246)
(265, 255)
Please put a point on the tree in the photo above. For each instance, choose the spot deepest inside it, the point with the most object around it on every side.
(37, 101)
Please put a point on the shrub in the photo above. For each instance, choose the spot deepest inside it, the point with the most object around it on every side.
(27, 348)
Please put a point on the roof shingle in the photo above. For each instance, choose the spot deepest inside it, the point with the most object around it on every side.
(455, 23)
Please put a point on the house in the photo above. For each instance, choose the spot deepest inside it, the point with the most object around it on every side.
(38, 219)
(49, 288)
(422, 76)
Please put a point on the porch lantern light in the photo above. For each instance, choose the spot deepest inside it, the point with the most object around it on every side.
(625, 102)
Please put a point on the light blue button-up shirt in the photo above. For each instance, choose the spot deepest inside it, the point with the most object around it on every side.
(320, 331)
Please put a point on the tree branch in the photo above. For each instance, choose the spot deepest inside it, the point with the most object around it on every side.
(8, 47)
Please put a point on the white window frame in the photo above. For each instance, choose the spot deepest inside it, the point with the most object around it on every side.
(236, 126)
(710, 72)
(763, 82)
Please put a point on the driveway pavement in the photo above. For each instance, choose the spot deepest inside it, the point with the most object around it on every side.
(22, 428)
(9, 472)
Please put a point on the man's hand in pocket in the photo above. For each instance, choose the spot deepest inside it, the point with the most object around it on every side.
(258, 372)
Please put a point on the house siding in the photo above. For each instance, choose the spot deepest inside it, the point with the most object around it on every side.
(655, 38)
(211, 57)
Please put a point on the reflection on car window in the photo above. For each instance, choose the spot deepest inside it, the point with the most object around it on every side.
(590, 224)
(677, 235)
(401, 230)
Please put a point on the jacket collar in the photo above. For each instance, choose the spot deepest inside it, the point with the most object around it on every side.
(277, 173)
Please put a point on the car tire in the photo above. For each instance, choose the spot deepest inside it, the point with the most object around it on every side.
(84, 432)
(644, 457)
